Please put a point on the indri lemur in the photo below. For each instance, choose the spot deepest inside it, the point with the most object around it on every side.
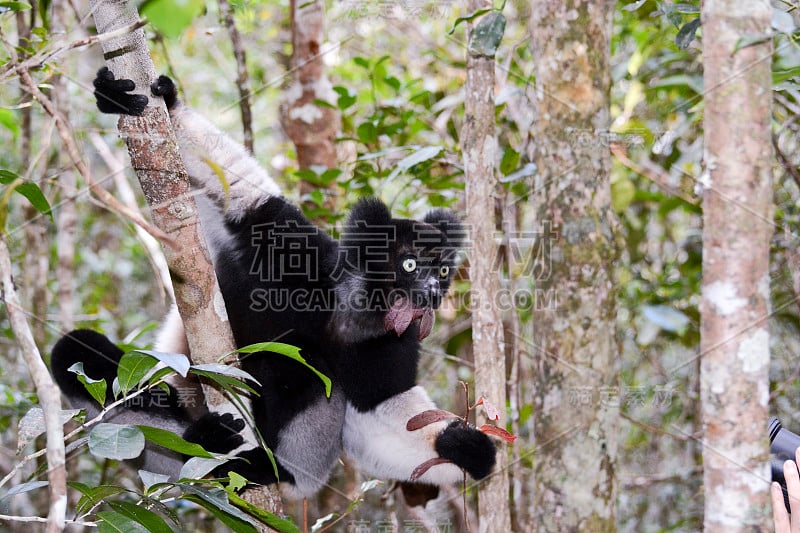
(357, 308)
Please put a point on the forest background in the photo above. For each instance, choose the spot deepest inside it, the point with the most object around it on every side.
(603, 165)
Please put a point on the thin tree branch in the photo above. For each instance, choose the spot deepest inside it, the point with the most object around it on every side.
(72, 150)
(49, 395)
(242, 77)
(40, 58)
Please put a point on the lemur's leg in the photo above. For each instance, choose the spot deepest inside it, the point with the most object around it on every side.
(378, 441)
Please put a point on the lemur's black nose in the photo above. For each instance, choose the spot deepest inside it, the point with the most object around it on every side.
(433, 293)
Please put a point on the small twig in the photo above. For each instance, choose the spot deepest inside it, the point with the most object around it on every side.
(74, 155)
(37, 60)
(13, 518)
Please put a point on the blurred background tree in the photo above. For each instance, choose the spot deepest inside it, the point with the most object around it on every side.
(397, 76)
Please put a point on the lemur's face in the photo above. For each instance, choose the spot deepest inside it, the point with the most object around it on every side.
(423, 259)
(403, 268)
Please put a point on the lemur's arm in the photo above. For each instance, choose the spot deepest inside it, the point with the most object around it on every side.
(211, 157)
(378, 441)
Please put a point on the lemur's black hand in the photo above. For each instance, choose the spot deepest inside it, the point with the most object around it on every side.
(112, 95)
(467, 448)
(164, 86)
(218, 433)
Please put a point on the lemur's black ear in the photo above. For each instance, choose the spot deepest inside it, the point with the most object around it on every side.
(448, 223)
(164, 86)
(369, 212)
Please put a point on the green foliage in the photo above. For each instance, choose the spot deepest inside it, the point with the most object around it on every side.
(171, 441)
(286, 350)
(113, 441)
(14, 183)
(172, 17)
(95, 387)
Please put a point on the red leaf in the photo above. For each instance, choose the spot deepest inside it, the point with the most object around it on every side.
(428, 417)
(424, 467)
(491, 411)
(498, 432)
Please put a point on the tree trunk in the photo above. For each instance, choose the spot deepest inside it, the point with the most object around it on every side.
(311, 127)
(576, 400)
(155, 157)
(479, 147)
(737, 226)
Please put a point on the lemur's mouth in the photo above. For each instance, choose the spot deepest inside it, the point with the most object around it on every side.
(403, 313)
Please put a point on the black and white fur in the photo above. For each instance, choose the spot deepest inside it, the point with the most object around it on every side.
(361, 306)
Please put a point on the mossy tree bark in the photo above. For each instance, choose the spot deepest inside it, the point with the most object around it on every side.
(737, 228)
(575, 347)
(479, 147)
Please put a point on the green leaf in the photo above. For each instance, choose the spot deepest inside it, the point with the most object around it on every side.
(687, 33)
(367, 132)
(237, 482)
(623, 192)
(32, 425)
(346, 97)
(176, 361)
(216, 501)
(113, 522)
(231, 379)
(8, 119)
(694, 83)
(485, 37)
(171, 441)
(780, 76)
(528, 170)
(275, 522)
(31, 191)
(91, 496)
(418, 156)
(114, 441)
(152, 479)
(96, 387)
(15, 6)
(634, 6)
(468, 18)
(147, 518)
(291, 352)
(22, 488)
(225, 370)
(666, 318)
(510, 161)
(171, 17)
(34, 194)
(199, 467)
(133, 367)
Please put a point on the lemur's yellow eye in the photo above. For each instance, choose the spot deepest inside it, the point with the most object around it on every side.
(444, 271)
(409, 265)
